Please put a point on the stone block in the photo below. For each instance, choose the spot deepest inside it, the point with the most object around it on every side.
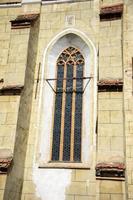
(104, 95)
(2, 181)
(116, 116)
(28, 174)
(4, 36)
(110, 104)
(3, 12)
(116, 61)
(30, 197)
(117, 197)
(105, 24)
(104, 143)
(28, 187)
(109, 187)
(69, 197)
(7, 131)
(14, 11)
(91, 188)
(130, 189)
(110, 130)
(2, 118)
(81, 175)
(110, 72)
(81, 197)
(2, 194)
(104, 197)
(77, 188)
(11, 118)
(103, 117)
(116, 95)
(117, 143)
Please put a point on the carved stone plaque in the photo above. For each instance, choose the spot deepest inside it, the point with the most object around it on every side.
(70, 20)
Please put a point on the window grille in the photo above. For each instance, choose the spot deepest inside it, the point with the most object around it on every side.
(67, 128)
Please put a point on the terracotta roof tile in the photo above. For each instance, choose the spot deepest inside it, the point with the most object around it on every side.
(5, 160)
(23, 21)
(110, 165)
(112, 9)
(27, 17)
(110, 82)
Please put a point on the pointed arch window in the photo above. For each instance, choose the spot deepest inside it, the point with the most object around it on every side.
(67, 127)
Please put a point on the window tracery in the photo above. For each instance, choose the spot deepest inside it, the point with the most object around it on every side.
(67, 128)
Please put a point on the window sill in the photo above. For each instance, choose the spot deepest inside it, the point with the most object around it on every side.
(64, 165)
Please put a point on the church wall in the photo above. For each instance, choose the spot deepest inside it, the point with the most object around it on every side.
(19, 117)
(128, 54)
(22, 132)
(110, 106)
(13, 58)
(14, 44)
(43, 183)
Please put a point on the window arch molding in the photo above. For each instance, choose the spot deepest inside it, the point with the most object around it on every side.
(45, 125)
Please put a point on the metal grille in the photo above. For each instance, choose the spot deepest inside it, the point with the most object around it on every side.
(67, 127)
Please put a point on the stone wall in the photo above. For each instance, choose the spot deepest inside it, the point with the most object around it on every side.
(128, 92)
(74, 183)
(110, 105)
(14, 182)
(22, 51)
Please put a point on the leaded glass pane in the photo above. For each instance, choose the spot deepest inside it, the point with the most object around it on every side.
(68, 105)
(68, 112)
(57, 114)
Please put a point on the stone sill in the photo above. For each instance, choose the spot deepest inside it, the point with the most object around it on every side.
(62, 1)
(111, 178)
(64, 165)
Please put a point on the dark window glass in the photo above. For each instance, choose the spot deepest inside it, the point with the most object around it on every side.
(68, 113)
(67, 128)
(57, 115)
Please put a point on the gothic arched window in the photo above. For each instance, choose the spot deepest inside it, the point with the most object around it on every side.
(67, 128)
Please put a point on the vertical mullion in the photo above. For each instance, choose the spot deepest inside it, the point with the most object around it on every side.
(73, 116)
(63, 115)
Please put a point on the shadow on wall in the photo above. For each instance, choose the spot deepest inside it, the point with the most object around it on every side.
(14, 181)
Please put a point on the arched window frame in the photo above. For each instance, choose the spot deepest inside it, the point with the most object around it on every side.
(79, 40)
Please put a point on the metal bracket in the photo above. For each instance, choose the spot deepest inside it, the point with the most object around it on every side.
(48, 80)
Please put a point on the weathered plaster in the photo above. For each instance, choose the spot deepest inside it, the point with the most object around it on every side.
(51, 183)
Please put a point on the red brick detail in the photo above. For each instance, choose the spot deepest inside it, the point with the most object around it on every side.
(112, 9)
(113, 12)
(110, 85)
(111, 165)
(5, 160)
(110, 82)
(110, 169)
(23, 21)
